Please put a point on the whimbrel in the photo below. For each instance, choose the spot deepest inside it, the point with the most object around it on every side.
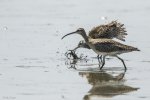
(111, 30)
(104, 47)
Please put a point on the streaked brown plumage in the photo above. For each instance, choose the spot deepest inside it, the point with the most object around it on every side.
(105, 47)
(109, 46)
(111, 30)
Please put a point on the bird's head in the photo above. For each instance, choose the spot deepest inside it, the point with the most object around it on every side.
(81, 44)
(80, 31)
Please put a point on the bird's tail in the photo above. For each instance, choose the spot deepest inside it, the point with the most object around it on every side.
(137, 49)
(130, 48)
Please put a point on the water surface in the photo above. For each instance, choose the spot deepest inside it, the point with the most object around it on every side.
(33, 65)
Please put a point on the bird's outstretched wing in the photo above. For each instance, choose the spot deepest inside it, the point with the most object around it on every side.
(111, 30)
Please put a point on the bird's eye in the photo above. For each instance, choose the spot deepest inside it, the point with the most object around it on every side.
(81, 41)
(80, 29)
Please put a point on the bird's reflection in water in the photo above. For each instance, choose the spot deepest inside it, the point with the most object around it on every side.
(105, 85)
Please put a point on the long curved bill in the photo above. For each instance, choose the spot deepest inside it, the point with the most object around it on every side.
(69, 34)
(75, 48)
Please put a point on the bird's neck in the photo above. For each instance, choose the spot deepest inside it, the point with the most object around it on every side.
(85, 38)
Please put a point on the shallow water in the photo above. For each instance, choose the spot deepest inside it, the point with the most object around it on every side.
(33, 65)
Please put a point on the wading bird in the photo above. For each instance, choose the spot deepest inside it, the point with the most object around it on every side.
(104, 47)
(111, 30)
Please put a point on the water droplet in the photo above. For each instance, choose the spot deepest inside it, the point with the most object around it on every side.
(57, 31)
(5, 28)
(103, 18)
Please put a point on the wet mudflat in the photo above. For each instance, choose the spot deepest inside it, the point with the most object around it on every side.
(33, 65)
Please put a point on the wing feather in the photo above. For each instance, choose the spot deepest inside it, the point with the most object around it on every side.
(111, 30)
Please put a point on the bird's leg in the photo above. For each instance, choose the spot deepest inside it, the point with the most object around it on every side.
(122, 62)
(100, 61)
(99, 58)
(103, 62)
